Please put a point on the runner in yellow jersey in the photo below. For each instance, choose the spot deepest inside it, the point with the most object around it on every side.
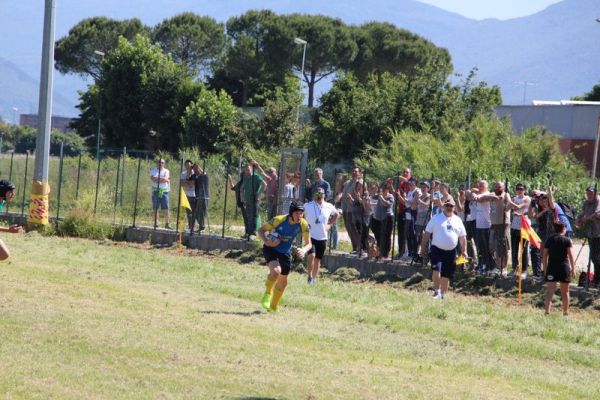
(278, 236)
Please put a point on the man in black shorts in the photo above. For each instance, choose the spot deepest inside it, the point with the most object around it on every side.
(278, 235)
(447, 231)
(559, 266)
(321, 216)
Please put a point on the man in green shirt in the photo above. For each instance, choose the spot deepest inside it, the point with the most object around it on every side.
(252, 184)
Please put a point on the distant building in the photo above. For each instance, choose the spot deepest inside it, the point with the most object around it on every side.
(576, 122)
(58, 123)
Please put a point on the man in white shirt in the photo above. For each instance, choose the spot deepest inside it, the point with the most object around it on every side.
(447, 231)
(320, 215)
(161, 185)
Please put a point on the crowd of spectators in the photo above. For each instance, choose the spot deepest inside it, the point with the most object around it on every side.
(397, 209)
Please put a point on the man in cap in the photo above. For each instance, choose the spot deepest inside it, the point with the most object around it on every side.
(320, 215)
(447, 231)
(589, 221)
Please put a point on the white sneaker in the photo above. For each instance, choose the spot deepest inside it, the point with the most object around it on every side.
(524, 275)
(495, 271)
(438, 296)
(436, 292)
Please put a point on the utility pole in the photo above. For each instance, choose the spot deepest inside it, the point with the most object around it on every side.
(40, 188)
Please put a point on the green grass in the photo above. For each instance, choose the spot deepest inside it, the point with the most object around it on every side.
(80, 319)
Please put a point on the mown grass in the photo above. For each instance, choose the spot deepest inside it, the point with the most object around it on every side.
(81, 319)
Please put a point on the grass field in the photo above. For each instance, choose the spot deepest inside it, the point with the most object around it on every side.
(81, 319)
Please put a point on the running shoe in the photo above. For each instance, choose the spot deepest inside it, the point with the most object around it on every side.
(266, 301)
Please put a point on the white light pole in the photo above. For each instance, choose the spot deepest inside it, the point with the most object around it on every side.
(15, 111)
(595, 158)
(101, 54)
(301, 42)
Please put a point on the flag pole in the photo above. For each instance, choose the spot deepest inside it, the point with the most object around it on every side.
(520, 269)
(181, 235)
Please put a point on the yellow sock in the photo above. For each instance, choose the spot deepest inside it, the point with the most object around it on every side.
(269, 284)
(275, 300)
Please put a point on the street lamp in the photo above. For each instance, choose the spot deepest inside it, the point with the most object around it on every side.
(301, 42)
(15, 111)
(101, 54)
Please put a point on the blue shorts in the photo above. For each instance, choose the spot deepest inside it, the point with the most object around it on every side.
(164, 200)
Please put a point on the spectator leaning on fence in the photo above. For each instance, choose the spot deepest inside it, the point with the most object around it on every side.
(410, 214)
(382, 221)
(161, 186)
(499, 231)
(520, 206)
(361, 215)
(336, 200)
(548, 213)
(252, 187)
(423, 204)
(481, 202)
(347, 208)
(589, 221)
(463, 210)
(190, 193)
(239, 198)
(401, 190)
(272, 180)
(201, 185)
(6, 195)
(535, 254)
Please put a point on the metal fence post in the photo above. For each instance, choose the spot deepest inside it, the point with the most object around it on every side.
(123, 175)
(97, 183)
(60, 173)
(24, 183)
(78, 178)
(137, 185)
(179, 196)
(116, 189)
(117, 182)
(205, 198)
(10, 172)
(225, 202)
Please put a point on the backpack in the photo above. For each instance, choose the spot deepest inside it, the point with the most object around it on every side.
(569, 212)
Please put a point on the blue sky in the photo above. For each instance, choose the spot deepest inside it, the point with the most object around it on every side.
(500, 9)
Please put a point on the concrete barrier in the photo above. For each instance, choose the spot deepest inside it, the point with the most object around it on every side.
(331, 262)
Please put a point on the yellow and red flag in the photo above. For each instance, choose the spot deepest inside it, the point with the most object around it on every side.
(527, 233)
